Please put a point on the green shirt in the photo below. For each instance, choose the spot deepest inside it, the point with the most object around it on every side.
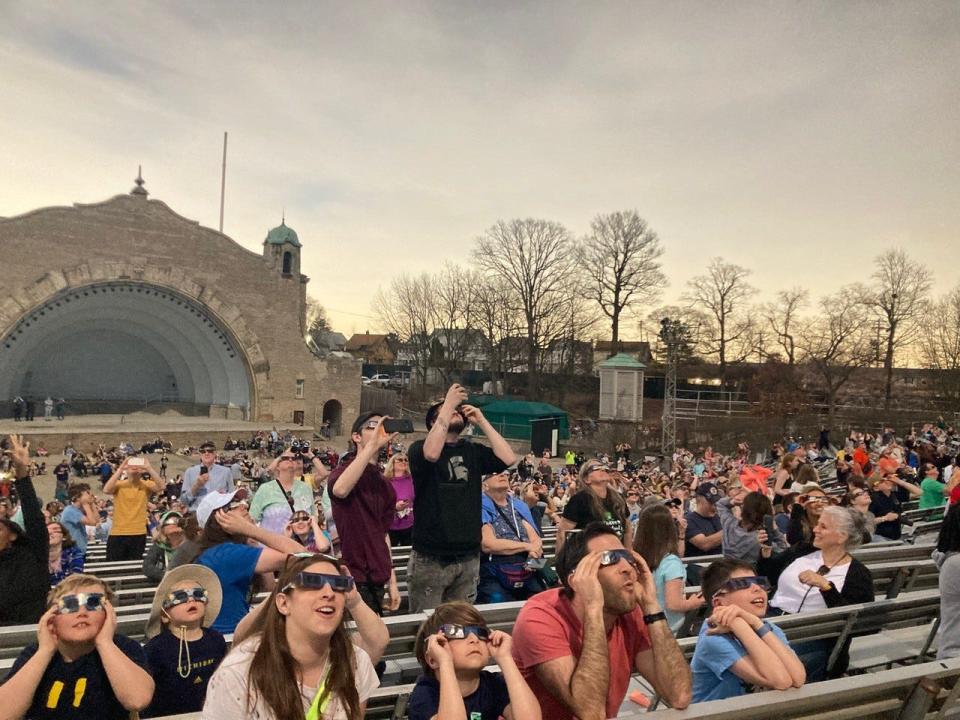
(932, 496)
(271, 510)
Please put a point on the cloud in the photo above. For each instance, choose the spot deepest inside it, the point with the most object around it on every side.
(778, 135)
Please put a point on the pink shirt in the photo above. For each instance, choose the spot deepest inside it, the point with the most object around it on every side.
(548, 628)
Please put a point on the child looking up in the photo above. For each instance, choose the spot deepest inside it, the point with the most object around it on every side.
(736, 647)
(79, 668)
(183, 651)
(453, 646)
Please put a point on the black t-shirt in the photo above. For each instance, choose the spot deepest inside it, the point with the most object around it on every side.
(446, 506)
(580, 512)
(78, 690)
(175, 694)
(697, 524)
(880, 505)
(487, 702)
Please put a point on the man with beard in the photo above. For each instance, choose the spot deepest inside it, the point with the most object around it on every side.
(578, 645)
(447, 471)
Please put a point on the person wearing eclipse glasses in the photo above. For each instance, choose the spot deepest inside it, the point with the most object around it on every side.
(736, 646)
(453, 646)
(299, 660)
(577, 646)
(182, 649)
(79, 668)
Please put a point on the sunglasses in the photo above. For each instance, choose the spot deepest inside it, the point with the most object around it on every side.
(316, 581)
(238, 504)
(70, 604)
(452, 631)
(289, 457)
(742, 583)
(173, 521)
(300, 517)
(208, 452)
(612, 557)
(179, 597)
(371, 425)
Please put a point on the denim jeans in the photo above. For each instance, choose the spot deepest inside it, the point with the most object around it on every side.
(431, 582)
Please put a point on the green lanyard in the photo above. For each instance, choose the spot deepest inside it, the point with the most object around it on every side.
(317, 709)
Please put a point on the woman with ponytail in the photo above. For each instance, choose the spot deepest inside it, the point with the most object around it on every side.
(299, 660)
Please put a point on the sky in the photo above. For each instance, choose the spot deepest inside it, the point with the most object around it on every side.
(799, 139)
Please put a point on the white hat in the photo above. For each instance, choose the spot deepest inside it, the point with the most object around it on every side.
(214, 501)
(202, 576)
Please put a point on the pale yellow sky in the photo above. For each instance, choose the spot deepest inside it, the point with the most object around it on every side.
(798, 139)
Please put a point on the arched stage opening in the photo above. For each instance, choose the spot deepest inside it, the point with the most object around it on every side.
(114, 346)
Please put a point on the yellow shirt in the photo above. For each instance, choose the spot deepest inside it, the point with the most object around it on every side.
(130, 507)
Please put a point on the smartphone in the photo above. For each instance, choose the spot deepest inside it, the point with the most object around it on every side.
(204, 469)
(136, 462)
(536, 563)
(768, 526)
(398, 425)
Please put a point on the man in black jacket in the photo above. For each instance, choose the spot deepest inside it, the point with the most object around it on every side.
(24, 552)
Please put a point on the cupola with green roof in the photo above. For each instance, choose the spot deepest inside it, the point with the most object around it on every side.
(282, 234)
(281, 248)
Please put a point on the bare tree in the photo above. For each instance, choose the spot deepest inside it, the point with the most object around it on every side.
(692, 317)
(940, 333)
(316, 323)
(536, 258)
(722, 295)
(621, 256)
(499, 317)
(406, 309)
(898, 296)
(782, 318)
(835, 345)
(939, 341)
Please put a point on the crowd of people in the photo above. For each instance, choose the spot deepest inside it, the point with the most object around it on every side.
(314, 530)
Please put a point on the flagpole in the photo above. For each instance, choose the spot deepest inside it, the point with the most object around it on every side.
(223, 178)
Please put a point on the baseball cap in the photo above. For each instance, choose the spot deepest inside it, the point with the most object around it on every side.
(214, 501)
(708, 491)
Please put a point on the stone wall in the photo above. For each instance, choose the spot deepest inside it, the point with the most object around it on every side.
(133, 239)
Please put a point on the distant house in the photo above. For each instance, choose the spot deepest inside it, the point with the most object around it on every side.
(372, 349)
(458, 348)
(565, 356)
(327, 341)
(637, 349)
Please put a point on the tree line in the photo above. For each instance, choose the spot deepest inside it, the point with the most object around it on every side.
(534, 290)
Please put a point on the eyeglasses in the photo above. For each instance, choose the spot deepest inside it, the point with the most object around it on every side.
(70, 604)
(316, 581)
(289, 457)
(402, 460)
(173, 521)
(179, 597)
(208, 452)
(742, 583)
(371, 425)
(452, 631)
(300, 517)
(612, 557)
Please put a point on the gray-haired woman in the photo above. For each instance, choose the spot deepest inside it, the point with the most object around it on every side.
(819, 575)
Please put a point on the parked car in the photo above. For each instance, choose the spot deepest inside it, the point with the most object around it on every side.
(400, 381)
(364, 380)
(380, 380)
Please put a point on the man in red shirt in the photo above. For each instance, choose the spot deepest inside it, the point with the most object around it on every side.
(578, 645)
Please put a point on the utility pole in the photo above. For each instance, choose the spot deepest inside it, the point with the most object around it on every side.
(673, 334)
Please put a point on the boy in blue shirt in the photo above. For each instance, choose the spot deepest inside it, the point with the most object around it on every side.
(736, 646)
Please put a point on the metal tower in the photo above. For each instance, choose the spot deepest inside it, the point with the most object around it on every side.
(673, 334)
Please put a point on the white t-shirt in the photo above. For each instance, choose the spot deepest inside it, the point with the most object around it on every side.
(227, 691)
(791, 594)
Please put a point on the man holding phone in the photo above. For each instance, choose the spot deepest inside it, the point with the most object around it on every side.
(363, 503)
(205, 478)
(447, 472)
